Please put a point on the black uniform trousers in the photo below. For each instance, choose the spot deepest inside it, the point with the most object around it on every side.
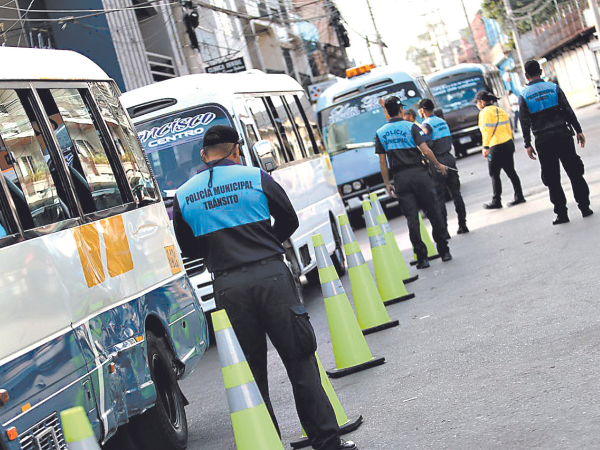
(553, 150)
(450, 182)
(261, 299)
(502, 157)
(414, 190)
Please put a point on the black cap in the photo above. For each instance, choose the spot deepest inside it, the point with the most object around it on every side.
(426, 104)
(393, 100)
(221, 134)
(485, 96)
(532, 68)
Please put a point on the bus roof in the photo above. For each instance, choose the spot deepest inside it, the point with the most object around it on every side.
(347, 85)
(21, 64)
(193, 90)
(460, 69)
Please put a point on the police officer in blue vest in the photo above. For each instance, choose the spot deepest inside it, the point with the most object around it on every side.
(440, 143)
(401, 145)
(223, 214)
(544, 109)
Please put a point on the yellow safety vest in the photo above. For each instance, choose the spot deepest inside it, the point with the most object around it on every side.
(494, 125)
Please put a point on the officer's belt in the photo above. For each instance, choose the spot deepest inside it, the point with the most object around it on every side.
(245, 267)
(409, 166)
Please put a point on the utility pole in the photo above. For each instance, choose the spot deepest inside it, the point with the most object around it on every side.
(475, 49)
(594, 9)
(377, 35)
(369, 49)
(190, 55)
(515, 30)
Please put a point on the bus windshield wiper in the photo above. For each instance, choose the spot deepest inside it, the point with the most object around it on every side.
(354, 147)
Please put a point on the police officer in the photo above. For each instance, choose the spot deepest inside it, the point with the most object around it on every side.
(223, 214)
(440, 143)
(401, 144)
(544, 109)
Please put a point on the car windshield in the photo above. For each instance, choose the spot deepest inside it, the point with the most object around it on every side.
(456, 94)
(173, 144)
(353, 123)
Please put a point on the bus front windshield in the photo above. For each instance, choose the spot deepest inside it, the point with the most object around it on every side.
(458, 93)
(353, 123)
(173, 144)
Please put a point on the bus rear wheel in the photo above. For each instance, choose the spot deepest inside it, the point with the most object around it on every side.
(163, 427)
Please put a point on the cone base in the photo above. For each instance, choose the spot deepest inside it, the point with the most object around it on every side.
(348, 427)
(436, 256)
(383, 326)
(339, 373)
(399, 299)
(411, 279)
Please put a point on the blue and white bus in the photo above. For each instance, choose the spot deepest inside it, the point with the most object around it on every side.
(97, 309)
(349, 114)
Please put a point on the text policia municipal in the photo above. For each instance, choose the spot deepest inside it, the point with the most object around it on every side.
(204, 194)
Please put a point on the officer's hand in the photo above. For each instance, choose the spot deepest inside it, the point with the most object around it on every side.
(531, 152)
(581, 139)
(390, 190)
(486, 152)
(441, 168)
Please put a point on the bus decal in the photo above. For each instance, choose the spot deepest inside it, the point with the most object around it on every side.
(177, 129)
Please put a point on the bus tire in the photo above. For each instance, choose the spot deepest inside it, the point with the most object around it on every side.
(337, 257)
(164, 426)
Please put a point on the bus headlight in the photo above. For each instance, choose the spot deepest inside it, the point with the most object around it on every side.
(347, 188)
(356, 185)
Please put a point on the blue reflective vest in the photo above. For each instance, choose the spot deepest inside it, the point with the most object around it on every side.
(540, 96)
(396, 136)
(439, 126)
(235, 199)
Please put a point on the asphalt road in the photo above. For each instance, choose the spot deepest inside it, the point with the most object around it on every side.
(499, 349)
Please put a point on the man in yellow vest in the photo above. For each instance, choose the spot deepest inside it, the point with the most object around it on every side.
(498, 148)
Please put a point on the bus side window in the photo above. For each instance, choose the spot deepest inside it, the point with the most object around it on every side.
(79, 138)
(126, 142)
(31, 177)
(309, 116)
(299, 119)
(283, 126)
(266, 129)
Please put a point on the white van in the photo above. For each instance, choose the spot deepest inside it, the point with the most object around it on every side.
(276, 121)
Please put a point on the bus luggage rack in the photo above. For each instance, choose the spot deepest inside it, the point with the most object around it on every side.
(45, 435)
(193, 267)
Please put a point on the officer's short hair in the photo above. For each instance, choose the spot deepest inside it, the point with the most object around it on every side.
(426, 104)
(219, 138)
(532, 68)
(392, 105)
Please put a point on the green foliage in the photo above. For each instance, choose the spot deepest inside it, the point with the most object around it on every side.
(494, 9)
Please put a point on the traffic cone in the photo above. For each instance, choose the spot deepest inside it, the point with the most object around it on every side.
(370, 310)
(390, 240)
(431, 251)
(346, 425)
(77, 430)
(391, 288)
(352, 354)
(252, 425)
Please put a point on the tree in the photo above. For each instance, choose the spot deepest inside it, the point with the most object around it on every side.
(494, 9)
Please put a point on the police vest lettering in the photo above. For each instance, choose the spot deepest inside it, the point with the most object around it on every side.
(541, 96)
(235, 199)
(439, 126)
(396, 136)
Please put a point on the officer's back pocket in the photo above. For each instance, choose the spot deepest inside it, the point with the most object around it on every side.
(304, 334)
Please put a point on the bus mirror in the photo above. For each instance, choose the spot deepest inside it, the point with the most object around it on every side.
(266, 154)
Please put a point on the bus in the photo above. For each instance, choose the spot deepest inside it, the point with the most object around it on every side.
(349, 114)
(272, 114)
(454, 90)
(98, 311)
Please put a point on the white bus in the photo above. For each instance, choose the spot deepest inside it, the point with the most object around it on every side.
(97, 309)
(275, 119)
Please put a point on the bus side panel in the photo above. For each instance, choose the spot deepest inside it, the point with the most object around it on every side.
(42, 383)
(181, 317)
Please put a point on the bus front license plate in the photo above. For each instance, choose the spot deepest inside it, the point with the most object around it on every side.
(465, 139)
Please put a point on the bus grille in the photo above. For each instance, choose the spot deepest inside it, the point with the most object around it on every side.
(193, 267)
(28, 441)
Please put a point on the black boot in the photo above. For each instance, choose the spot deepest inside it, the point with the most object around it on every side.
(587, 212)
(462, 229)
(493, 205)
(560, 219)
(517, 201)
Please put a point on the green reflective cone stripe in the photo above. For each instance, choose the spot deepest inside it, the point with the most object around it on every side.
(389, 284)
(227, 339)
(355, 260)
(354, 256)
(431, 251)
(243, 397)
(332, 288)
(390, 239)
(77, 429)
(252, 424)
